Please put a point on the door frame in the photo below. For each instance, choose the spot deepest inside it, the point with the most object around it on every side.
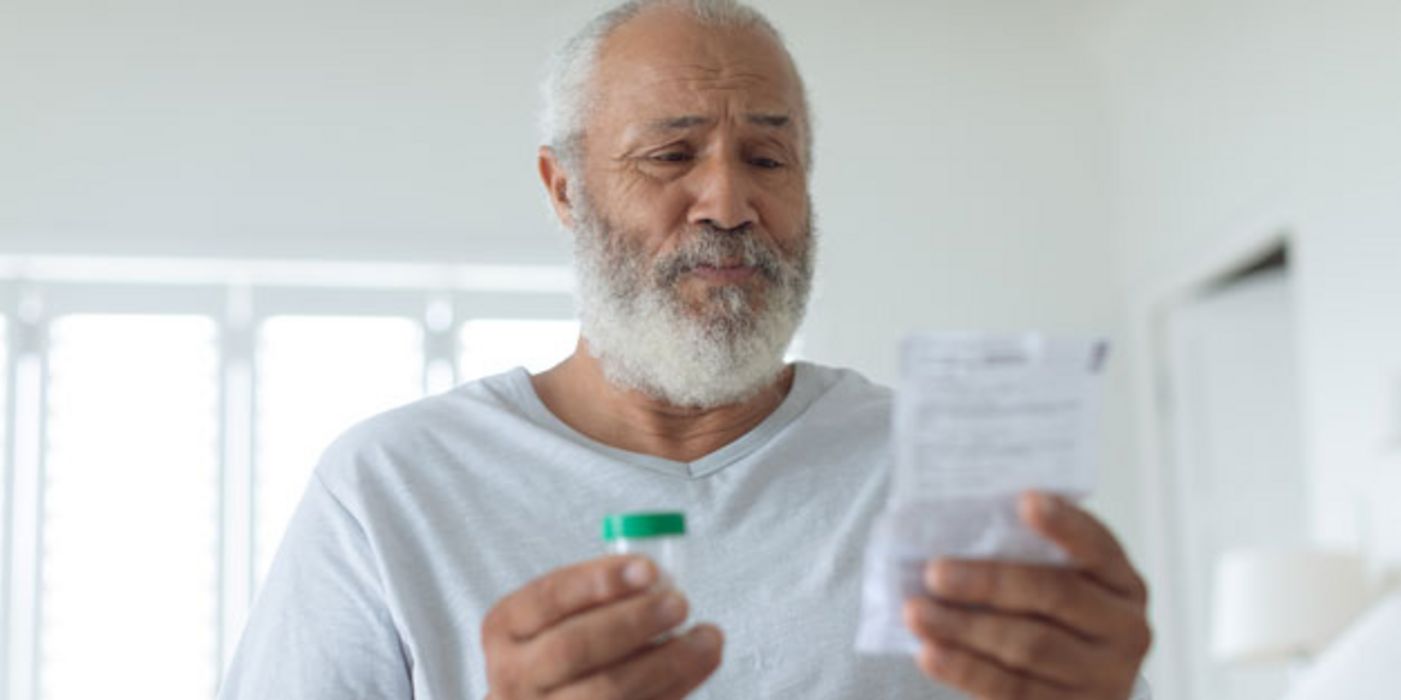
(1150, 305)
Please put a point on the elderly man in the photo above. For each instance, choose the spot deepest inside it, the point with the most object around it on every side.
(448, 549)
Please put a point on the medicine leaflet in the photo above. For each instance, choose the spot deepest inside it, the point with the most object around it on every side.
(978, 419)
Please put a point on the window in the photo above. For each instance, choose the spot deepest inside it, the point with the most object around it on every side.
(157, 435)
(491, 346)
(130, 542)
(317, 375)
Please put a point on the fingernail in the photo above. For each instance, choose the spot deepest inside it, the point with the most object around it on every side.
(1047, 504)
(672, 609)
(703, 639)
(638, 574)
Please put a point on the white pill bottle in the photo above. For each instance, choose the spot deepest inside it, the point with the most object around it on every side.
(659, 536)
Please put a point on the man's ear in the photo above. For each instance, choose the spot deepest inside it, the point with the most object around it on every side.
(556, 180)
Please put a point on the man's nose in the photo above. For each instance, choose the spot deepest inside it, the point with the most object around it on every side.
(723, 195)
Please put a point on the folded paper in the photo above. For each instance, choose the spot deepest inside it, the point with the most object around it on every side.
(978, 419)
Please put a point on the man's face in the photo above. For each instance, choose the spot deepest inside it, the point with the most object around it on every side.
(697, 130)
(692, 220)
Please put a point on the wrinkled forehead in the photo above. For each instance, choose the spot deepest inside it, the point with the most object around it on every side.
(665, 65)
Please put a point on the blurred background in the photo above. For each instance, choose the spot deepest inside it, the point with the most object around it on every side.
(229, 230)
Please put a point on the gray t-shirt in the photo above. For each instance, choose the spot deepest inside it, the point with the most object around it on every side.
(417, 521)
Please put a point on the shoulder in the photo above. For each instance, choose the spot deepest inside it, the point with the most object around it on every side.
(409, 442)
(848, 387)
(847, 397)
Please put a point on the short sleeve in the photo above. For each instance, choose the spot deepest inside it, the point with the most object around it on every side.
(320, 628)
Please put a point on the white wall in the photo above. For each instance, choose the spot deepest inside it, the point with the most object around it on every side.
(1229, 117)
(959, 170)
(1350, 282)
(374, 130)
(1255, 111)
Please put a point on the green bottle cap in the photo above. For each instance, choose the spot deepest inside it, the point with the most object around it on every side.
(640, 525)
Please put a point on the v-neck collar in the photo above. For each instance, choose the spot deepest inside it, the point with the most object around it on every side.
(801, 394)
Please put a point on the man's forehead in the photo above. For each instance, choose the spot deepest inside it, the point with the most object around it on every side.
(670, 57)
(659, 108)
(771, 120)
(652, 99)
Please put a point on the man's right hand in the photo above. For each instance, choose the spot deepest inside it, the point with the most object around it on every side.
(585, 632)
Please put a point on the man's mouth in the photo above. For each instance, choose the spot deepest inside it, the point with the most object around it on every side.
(725, 272)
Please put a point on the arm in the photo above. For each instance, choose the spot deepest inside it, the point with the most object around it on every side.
(320, 629)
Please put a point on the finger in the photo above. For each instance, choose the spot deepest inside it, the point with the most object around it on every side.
(563, 592)
(981, 676)
(601, 636)
(669, 670)
(1060, 594)
(1021, 643)
(1089, 542)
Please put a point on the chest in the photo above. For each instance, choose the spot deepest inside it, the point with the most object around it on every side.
(782, 579)
(773, 556)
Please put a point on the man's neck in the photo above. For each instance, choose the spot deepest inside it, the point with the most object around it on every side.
(579, 394)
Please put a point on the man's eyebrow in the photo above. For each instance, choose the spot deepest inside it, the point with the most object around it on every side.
(677, 123)
(775, 121)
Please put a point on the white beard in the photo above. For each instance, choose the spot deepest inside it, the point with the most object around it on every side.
(648, 338)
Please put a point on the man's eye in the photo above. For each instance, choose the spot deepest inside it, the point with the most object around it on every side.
(672, 157)
(766, 163)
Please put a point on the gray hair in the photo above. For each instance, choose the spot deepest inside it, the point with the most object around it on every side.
(567, 91)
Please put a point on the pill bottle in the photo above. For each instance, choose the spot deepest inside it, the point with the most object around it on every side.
(660, 536)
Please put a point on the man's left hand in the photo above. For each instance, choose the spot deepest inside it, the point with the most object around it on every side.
(1005, 630)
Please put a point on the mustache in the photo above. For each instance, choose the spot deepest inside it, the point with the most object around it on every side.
(712, 246)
